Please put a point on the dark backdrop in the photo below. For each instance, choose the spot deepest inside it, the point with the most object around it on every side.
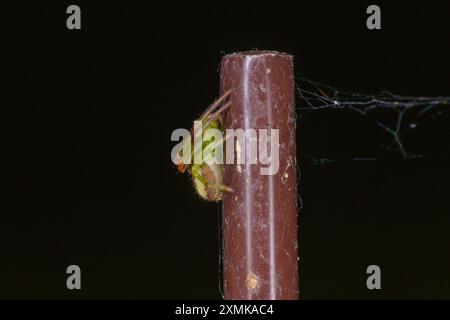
(86, 118)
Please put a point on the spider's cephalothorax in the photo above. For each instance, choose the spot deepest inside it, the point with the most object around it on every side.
(208, 178)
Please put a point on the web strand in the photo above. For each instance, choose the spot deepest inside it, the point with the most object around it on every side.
(408, 112)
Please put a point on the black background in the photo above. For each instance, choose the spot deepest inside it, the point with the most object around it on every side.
(86, 121)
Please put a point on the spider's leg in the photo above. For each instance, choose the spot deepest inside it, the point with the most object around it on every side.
(216, 113)
(215, 104)
(199, 147)
(221, 187)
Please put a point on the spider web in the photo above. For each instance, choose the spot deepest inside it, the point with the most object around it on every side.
(395, 118)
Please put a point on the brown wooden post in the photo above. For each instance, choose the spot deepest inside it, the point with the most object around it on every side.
(259, 222)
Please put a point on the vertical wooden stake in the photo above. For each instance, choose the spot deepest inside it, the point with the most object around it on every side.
(260, 259)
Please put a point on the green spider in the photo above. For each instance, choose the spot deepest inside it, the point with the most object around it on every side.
(207, 178)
